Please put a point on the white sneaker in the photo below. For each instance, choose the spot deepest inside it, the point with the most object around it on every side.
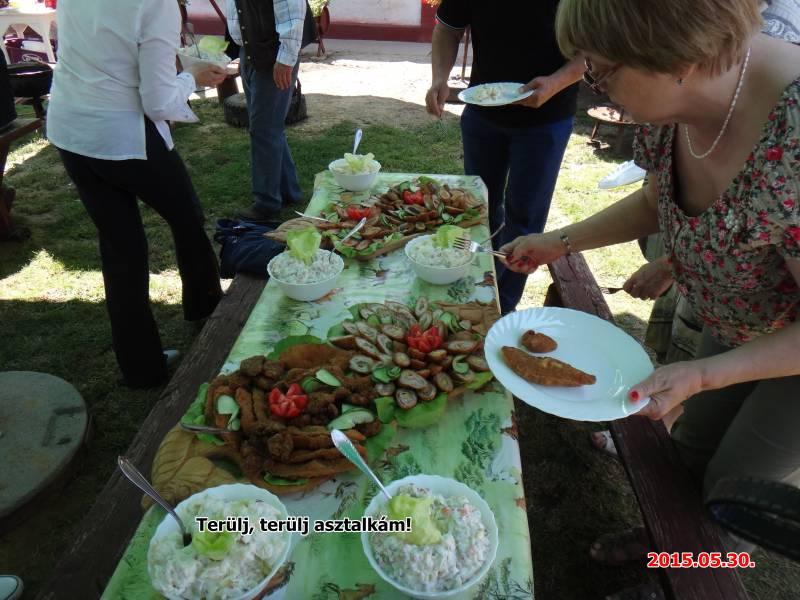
(625, 174)
(172, 357)
(10, 587)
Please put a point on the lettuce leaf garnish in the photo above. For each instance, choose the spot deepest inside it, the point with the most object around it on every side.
(359, 163)
(304, 243)
(447, 234)
(214, 545)
(212, 45)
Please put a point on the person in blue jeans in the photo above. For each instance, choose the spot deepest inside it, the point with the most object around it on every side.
(516, 149)
(270, 35)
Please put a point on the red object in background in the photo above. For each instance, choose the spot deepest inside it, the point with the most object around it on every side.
(50, 3)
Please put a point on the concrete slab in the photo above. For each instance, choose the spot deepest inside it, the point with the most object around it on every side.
(43, 422)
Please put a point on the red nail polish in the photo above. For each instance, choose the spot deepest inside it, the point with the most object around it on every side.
(634, 395)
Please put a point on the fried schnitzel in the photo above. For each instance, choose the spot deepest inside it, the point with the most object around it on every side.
(538, 342)
(545, 370)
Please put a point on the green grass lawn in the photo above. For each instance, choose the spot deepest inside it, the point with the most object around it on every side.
(52, 319)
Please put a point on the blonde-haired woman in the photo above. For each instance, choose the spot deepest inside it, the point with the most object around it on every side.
(722, 150)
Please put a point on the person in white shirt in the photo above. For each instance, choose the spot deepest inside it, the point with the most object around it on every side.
(114, 89)
(270, 33)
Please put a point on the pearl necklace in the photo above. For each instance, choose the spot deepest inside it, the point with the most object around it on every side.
(727, 118)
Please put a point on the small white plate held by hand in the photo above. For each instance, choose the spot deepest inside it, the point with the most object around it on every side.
(588, 343)
(493, 94)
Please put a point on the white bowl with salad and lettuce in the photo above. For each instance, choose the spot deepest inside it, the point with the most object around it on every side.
(355, 172)
(452, 544)
(436, 260)
(304, 271)
(209, 50)
(225, 565)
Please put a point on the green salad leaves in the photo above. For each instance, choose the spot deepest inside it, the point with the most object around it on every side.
(304, 243)
(447, 234)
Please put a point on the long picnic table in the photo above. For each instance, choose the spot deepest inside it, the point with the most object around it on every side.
(474, 442)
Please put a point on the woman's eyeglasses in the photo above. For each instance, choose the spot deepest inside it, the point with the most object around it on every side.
(595, 82)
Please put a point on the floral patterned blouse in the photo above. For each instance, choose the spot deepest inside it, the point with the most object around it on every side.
(730, 261)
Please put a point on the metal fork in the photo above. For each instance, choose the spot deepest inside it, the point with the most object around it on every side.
(462, 244)
(353, 231)
(465, 244)
(610, 290)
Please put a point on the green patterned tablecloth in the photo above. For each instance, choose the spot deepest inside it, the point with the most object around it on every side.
(475, 443)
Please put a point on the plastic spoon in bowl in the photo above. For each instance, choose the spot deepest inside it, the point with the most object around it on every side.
(357, 141)
(140, 481)
(345, 446)
(354, 231)
(190, 30)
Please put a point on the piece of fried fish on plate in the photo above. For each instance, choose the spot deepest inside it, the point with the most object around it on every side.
(545, 370)
(538, 342)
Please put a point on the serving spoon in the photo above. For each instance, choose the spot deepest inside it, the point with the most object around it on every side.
(357, 141)
(140, 481)
(345, 446)
(191, 428)
(354, 231)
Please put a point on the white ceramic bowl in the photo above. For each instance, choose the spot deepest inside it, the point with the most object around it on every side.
(235, 491)
(447, 488)
(436, 275)
(354, 183)
(309, 291)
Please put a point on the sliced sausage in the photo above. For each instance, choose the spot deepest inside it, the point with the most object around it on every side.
(443, 382)
(461, 347)
(368, 348)
(395, 332)
(401, 359)
(368, 331)
(478, 363)
(412, 380)
(406, 399)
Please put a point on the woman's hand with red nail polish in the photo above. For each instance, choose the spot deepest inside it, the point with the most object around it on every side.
(668, 387)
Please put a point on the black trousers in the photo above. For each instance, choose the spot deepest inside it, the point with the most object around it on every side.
(109, 190)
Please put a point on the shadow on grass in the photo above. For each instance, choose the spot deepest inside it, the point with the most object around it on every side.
(217, 157)
(72, 340)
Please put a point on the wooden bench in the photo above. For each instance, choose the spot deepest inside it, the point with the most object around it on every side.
(670, 502)
(103, 535)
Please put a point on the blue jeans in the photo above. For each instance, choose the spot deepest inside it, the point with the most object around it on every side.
(274, 178)
(519, 166)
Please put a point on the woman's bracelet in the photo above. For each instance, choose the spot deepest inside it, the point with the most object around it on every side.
(565, 240)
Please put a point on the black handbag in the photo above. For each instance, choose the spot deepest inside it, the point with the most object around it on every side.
(244, 248)
(297, 106)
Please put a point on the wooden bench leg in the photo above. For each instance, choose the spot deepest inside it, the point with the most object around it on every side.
(553, 298)
(8, 231)
(226, 89)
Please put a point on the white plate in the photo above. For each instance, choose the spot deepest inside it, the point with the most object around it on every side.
(587, 343)
(507, 93)
(187, 60)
